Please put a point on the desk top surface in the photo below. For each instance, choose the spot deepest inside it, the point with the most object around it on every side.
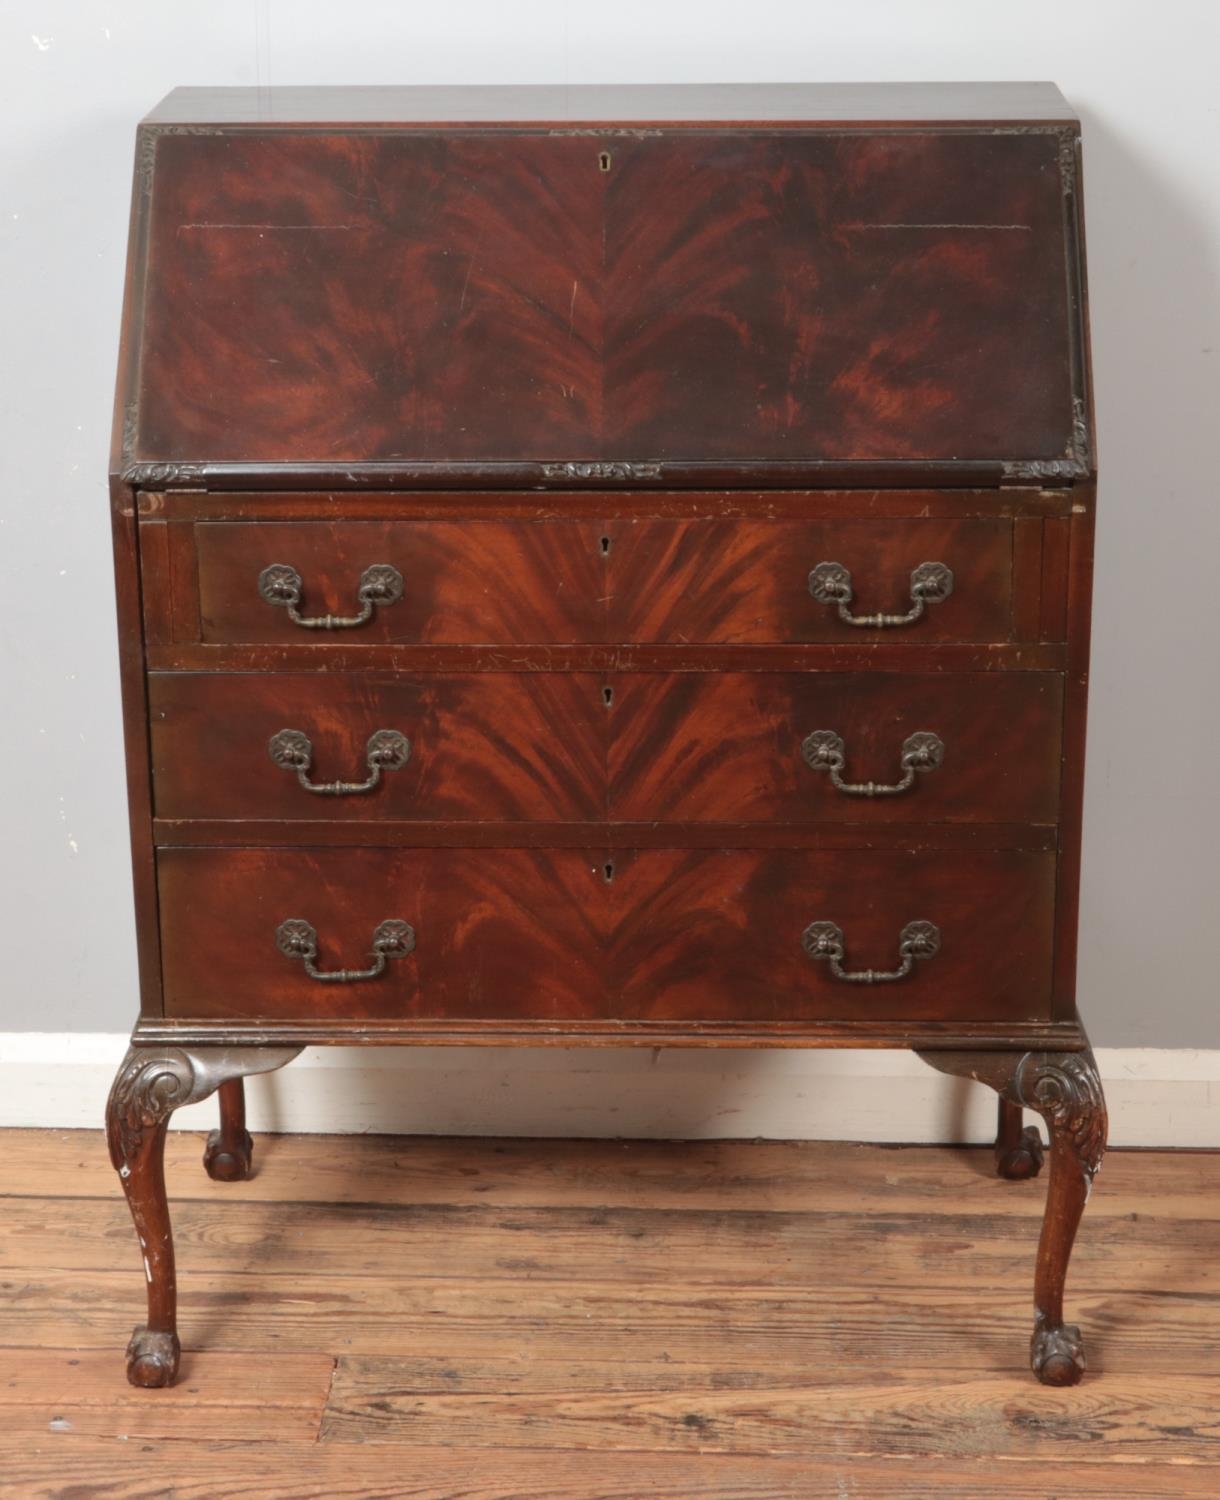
(680, 103)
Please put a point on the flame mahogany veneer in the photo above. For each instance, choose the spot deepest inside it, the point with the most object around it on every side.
(613, 566)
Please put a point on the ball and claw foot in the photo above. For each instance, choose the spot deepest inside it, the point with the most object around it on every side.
(1056, 1355)
(152, 1358)
(228, 1162)
(1024, 1160)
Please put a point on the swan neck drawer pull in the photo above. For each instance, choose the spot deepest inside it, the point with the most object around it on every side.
(295, 938)
(282, 585)
(830, 583)
(387, 750)
(824, 750)
(824, 941)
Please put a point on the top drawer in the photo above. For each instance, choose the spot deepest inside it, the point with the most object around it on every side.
(519, 582)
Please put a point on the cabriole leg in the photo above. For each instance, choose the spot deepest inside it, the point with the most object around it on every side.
(1018, 1147)
(1065, 1089)
(227, 1155)
(151, 1083)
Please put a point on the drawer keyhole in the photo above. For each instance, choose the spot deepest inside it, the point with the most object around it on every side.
(603, 161)
(605, 546)
(608, 871)
(608, 696)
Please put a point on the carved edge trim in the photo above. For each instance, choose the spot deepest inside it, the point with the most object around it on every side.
(151, 474)
(146, 154)
(1066, 135)
(1076, 458)
(601, 471)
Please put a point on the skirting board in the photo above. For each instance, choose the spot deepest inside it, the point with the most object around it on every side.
(1157, 1097)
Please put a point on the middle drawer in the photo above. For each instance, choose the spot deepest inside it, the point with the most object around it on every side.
(696, 747)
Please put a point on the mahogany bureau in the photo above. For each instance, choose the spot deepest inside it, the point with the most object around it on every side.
(606, 565)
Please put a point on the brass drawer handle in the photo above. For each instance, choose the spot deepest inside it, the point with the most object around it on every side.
(295, 938)
(824, 751)
(824, 941)
(387, 750)
(282, 585)
(830, 583)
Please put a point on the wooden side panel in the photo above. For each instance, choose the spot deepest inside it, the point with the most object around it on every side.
(729, 581)
(1078, 614)
(704, 746)
(129, 610)
(488, 746)
(1056, 579)
(184, 570)
(568, 935)
(1026, 576)
(157, 580)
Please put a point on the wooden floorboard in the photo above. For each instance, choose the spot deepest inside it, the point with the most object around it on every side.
(290, 1471)
(377, 1317)
(758, 1176)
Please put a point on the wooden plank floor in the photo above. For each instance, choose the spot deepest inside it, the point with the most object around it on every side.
(377, 1317)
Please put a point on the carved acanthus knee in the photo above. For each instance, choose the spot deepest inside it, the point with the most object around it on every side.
(149, 1086)
(1065, 1089)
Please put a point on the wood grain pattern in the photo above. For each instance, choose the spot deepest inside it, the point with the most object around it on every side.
(482, 1324)
(392, 833)
(638, 1248)
(464, 582)
(790, 1421)
(481, 747)
(721, 297)
(621, 504)
(570, 935)
(729, 581)
(727, 746)
(75, 1393)
(407, 1471)
(756, 1176)
(864, 653)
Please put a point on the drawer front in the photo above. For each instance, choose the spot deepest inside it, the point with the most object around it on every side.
(465, 582)
(686, 582)
(446, 748)
(760, 747)
(743, 581)
(579, 935)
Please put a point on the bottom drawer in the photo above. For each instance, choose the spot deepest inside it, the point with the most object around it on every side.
(569, 935)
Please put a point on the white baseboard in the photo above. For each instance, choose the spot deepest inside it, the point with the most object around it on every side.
(1156, 1097)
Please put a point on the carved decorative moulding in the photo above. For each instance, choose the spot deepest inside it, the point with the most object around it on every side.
(601, 471)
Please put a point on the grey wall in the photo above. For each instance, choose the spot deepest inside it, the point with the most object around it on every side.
(75, 77)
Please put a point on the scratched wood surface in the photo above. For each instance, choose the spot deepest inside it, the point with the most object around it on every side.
(380, 1317)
